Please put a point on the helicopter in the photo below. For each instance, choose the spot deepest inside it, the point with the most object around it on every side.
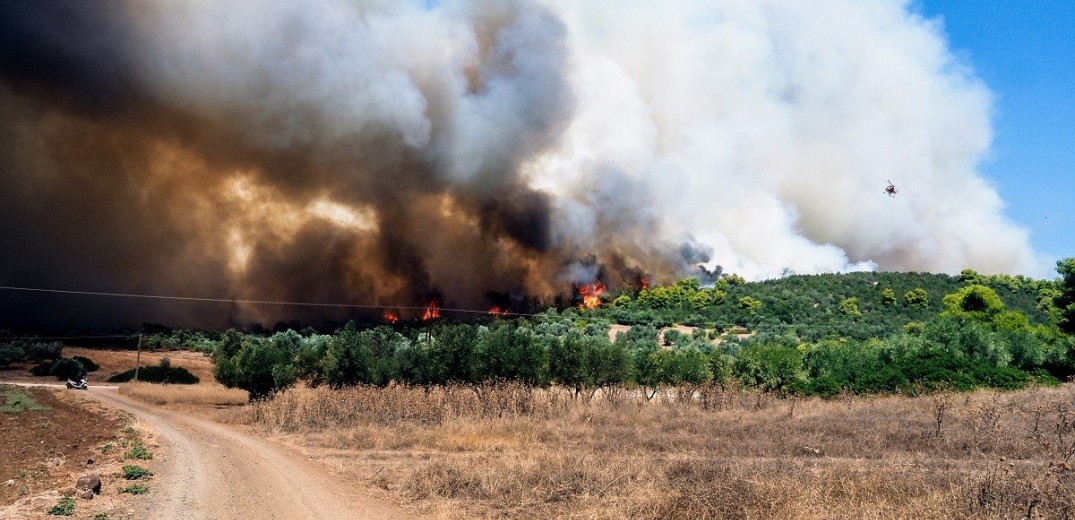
(891, 189)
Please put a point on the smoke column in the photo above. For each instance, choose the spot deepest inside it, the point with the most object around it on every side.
(392, 152)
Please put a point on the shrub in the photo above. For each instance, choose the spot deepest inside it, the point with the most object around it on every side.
(87, 363)
(131, 472)
(136, 489)
(67, 368)
(139, 452)
(37, 351)
(10, 353)
(162, 373)
(41, 369)
(65, 507)
(770, 367)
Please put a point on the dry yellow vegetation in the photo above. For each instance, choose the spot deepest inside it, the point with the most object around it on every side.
(512, 452)
(115, 361)
(209, 394)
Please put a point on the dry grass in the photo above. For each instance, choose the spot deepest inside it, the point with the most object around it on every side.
(115, 361)
(208, 394)
(511, 452)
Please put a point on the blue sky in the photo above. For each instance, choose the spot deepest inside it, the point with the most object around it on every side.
(1025, 52)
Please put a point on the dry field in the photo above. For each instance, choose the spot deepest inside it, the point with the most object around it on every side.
(209, 394)
(510, 452)
(115, 361)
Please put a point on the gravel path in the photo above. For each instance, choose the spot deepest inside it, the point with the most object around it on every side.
(213, 471)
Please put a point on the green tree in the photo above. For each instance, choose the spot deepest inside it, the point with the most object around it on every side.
(769, 366)
(347, 359)
(609, 364)
(1065, 301)
(976, 302)
(888, 297)
(568, 360)
(683, 366)
(917, 297)
(261, 367)
(751, 304)
(513, 353)
(850, 307)
(453, 353)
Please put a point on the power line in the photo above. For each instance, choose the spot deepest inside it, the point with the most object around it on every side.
(757, 327)
(55, 338)
(247, 302)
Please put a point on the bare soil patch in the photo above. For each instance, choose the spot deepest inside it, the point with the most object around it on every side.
(43, 451)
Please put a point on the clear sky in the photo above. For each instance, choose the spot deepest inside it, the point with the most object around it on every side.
(1025, 52)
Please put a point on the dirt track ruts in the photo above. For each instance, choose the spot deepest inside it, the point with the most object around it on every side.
(214, 471)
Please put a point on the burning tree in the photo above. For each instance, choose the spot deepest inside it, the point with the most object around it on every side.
(591, 294)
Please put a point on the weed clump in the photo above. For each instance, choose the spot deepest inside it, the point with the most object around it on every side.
(65, 507)
(138, 451)
(136, 489)
(132, 472)
(17, 401)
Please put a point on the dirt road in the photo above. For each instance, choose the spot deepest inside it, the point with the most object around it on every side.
(214, 471)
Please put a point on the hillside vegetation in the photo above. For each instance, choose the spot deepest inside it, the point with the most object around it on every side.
(811, 335)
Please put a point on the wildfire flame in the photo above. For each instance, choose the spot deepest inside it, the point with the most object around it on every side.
(643, 283)
(497, 311)
(391, 317)
(591, 295)
(432, 312)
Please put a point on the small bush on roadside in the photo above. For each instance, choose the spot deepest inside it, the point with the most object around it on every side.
(132, 472)
(67, 368)
(162, 373)
(139, 452)
(41, 369)
(136, 489)
(87, 363)
(65, 507)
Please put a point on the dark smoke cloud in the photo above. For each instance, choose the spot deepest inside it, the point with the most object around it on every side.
(476, 152)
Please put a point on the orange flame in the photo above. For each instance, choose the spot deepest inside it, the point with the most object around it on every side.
(591, 295)
(391, 317)
(497, 311)
(432, 312)
(643, 283)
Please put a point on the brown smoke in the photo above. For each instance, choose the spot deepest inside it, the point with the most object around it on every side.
(472, 151)
(115, 182)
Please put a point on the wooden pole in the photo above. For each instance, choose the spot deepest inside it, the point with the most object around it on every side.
(138, 358)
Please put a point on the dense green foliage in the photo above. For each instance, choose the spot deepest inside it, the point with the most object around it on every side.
(88, 364)
(1065, 295)
(67, 368)
(29, 350)
(816, 335)
(161, 373)
(813, 307)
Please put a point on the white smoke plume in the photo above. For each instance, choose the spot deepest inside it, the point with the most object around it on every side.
(767, 129)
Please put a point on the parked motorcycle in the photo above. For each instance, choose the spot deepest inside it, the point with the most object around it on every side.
(80, 384)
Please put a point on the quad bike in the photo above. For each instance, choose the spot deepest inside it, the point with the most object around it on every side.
(80, 384)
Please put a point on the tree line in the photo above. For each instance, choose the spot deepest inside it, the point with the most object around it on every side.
(972, 338)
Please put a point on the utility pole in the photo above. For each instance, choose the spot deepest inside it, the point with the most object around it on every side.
(138, 358)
